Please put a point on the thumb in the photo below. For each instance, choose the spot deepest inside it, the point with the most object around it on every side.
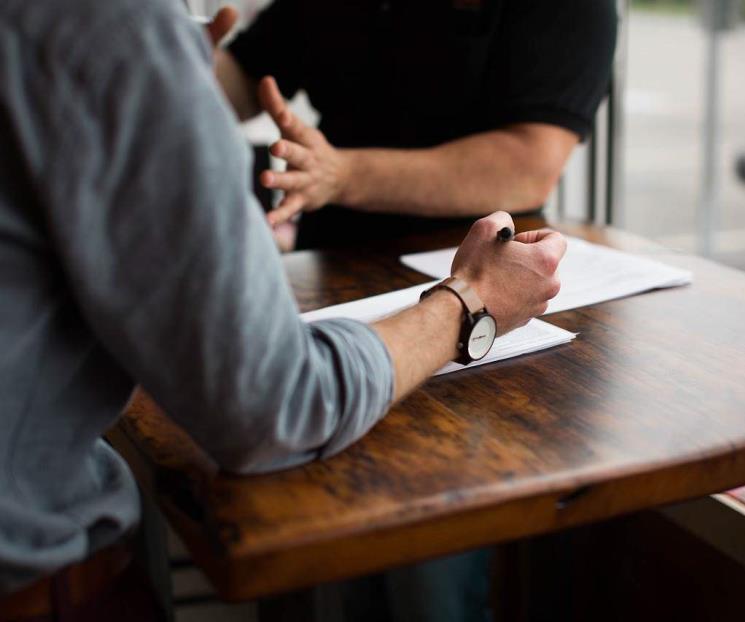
(222, 24)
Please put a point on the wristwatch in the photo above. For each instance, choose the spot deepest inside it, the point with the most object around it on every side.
(478, 328)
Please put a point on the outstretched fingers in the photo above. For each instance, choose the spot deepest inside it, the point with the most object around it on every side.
(292, 204)
(274, 103)
(287, 181)
(294, 154)
(222, 23)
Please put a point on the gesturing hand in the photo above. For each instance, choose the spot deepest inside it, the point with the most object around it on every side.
(316, 171)
(514, 279)
(222, 23)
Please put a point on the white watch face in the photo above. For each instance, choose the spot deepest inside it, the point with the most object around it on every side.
(482, 337)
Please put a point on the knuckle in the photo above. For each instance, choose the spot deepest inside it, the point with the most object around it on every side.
(504, 219)
(563, 242)
(485, 227)
(554, 286)
(548, 262)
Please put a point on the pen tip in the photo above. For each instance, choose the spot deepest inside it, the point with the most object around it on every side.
(505, 233)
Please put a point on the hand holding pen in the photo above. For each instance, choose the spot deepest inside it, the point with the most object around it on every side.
(505, 234)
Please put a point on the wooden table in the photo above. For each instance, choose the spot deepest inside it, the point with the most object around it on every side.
(645, 407)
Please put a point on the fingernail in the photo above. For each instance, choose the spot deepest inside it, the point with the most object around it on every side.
(268, 179)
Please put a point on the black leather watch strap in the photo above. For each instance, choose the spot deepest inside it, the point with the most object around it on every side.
(473, 311)
(470, 299)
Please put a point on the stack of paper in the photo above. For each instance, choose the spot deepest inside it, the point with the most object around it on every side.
(534, 336)
(589, 273)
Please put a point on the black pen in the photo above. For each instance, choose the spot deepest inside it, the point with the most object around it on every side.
(505, 234)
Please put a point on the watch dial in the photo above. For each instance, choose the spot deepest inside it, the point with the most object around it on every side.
(482, 337)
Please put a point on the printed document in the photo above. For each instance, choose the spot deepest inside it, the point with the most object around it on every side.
(534, 336)
(589, 273)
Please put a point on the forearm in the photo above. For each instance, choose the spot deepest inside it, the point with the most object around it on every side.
(421, 339)
(330, 388)
(510, 170)
(239, 88)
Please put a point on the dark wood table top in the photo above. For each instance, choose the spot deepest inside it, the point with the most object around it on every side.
(645, 407)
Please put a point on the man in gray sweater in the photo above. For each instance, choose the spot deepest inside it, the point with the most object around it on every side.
(132, 253)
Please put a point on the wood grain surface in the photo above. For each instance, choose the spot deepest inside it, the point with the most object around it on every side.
(645, 407)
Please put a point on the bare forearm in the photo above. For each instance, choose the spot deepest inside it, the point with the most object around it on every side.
(511, 170)
(421, 339)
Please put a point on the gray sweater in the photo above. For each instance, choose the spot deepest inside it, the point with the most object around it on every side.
(132, 252)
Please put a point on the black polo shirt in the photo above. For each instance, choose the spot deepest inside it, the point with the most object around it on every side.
(417, 73)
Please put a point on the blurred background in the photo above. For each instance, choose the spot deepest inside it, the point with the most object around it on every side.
(668, 83)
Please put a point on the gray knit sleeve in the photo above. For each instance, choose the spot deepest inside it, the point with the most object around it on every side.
(171, 262)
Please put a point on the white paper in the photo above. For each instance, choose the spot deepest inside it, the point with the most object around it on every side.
(534, 336)
(589, 273)
(373, 308)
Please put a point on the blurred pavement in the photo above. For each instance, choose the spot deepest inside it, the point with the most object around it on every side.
(664, 112)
